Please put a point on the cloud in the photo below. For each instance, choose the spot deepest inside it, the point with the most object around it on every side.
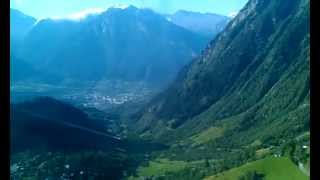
(233, 14)
(80, 15)
(84, 13)
(90, 11)
(18, 2)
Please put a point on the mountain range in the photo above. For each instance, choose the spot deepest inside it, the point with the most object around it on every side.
(20, 25)
(244, 97)
(206, 24)
(127, 44)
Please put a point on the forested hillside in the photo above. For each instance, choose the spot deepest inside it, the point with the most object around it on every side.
(250, 85)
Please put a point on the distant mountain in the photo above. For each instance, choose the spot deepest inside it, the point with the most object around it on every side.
(206, 24)
(20, 25)
(20, 70)
(23, 71)
(251, 84)
(124, 44)
(46, 122)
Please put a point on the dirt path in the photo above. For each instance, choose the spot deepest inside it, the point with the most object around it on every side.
(301, 167)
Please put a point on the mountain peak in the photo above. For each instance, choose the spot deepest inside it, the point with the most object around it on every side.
(132, 7)
(120, 6)
(194, 13)
(123, 7)
(207, 24)
(17, 13)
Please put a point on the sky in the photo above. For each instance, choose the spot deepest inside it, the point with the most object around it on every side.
(76, 8)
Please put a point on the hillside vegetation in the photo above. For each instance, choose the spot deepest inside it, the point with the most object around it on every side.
(245, 98)
(252, 80)
(269, 168)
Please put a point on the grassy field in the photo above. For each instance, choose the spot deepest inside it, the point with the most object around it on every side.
(207, 135)
(273, 168)
(160, 166)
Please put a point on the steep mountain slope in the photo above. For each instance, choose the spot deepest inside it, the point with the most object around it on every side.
(22, 71)
(206, 24)
(252, 82)
(20, 25)
(125, 44)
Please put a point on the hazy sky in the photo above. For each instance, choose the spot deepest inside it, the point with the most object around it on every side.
(63, 8)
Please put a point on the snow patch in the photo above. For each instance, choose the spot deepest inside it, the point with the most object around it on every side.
(233, 14)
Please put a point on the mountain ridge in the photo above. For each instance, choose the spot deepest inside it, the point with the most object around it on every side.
(207, 24)
(111, 40)
(270, 41)
(20, 25)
